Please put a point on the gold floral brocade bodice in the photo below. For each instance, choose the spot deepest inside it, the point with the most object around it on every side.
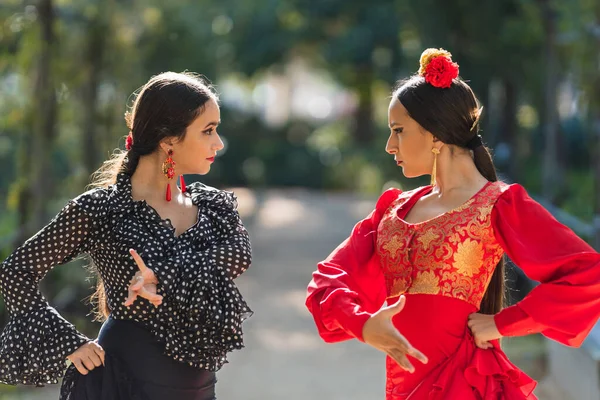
(453, 254)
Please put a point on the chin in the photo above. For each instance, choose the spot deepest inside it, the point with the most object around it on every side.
(198, 171)
(203, 171)
(407, 173)
(411, 174)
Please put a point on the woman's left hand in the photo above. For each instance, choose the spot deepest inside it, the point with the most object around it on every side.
(484, 330)
(143, 283)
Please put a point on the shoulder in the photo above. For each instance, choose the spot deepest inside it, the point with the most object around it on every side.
(489, 194)
(506, 192)
(207, 196)
(387, 198)
(93, 202)
(395, 196)
(513, 199)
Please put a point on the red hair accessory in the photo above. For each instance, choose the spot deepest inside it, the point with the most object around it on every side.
(437, 68)
(129, 141)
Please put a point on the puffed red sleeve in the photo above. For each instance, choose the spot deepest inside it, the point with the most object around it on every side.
(348, 286)
(566, 304)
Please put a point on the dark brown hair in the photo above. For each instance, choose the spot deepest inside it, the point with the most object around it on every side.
(163, 107)
(452, 116)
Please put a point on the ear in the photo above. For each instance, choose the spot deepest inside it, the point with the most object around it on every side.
(431, 137)
(166, 144)
(437, 143)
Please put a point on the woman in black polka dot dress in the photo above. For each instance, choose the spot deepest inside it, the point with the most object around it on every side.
(166, 258)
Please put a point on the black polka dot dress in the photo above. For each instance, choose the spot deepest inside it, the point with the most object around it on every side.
(200, 318)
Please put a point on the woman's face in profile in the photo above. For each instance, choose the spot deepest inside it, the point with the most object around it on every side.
(409, 143)
(196, 152)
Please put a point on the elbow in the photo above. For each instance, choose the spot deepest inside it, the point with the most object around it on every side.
(3, 273)
(4, 279)
(246, 255)
(248, 259)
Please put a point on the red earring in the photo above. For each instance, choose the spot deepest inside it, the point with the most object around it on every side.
(168, 169)
(182, 184)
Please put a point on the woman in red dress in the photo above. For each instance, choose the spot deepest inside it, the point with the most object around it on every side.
(436, 255)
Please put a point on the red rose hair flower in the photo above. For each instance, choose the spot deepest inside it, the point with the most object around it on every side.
(129, 141)
(437, 68)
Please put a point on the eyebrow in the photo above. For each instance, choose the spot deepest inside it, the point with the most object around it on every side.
(394, 124)
(213, 123)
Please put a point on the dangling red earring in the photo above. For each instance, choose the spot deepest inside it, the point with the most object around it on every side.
(168, 169)
(182, 184)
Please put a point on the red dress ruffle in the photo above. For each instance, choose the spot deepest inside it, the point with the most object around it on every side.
(474, 374)
(457, 368)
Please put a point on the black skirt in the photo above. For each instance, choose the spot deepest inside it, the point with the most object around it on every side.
(135, 368)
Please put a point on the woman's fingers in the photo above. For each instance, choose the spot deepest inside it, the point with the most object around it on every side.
(402, 361)
(79, 365)
(138, 260)
(146, 274)
(483, 344)
(418, 355)
(137, 282)
(131, 296)
(95, 359)
(88, 363)
(87, 357)
(153, 297)
(100, 352)
(403, 345)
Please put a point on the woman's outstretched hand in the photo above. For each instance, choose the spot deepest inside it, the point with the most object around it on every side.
(87, 357)
(143, 283)
(483, 327)
(380, 332)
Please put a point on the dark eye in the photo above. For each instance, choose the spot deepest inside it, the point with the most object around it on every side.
(209, 131)
(398, 131)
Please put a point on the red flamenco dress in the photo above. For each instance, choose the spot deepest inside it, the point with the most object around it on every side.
(443, 266)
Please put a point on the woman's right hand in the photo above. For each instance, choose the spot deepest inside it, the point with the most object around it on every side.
(380, 332)
(87, 357)
(143, 284)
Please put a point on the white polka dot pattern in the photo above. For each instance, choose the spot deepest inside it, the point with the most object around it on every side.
(201, 316)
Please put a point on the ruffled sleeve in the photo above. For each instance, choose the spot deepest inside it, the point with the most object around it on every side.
(210, 308)
(348, 286)
(231, 251)
(36, 341)
(566, 304)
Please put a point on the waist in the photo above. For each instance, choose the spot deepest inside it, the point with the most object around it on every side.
(119, 334)
(139, 349)
(434, 324)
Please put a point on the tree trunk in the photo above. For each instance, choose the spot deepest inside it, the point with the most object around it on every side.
(509, 128)
(595, 118)
(363, 128)
(552, 173)
(596, 169)
(39, 187)
(97, 39)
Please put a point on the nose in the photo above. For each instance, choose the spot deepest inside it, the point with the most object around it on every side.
(218, 145)
(391, 146)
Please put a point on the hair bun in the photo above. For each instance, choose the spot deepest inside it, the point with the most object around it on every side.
(437, 67)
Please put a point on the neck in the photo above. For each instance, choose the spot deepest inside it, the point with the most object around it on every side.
(148, 181)
(456, 171)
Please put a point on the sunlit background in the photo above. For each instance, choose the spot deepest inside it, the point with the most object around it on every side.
(304, 88)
